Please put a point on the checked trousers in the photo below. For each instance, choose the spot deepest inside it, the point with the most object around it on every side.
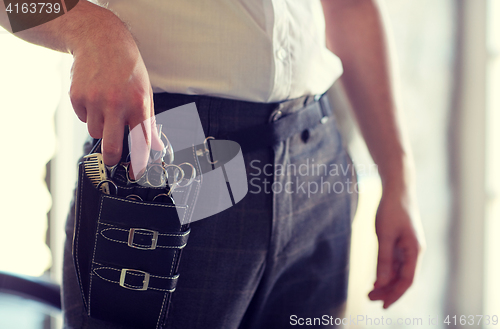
(280, 253)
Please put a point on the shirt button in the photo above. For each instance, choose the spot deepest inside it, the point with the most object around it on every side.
(281, 53)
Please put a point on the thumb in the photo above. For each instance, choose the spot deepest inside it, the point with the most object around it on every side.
(157, 144)
(139, 145)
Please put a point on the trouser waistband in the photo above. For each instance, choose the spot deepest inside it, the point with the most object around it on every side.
(285, 119)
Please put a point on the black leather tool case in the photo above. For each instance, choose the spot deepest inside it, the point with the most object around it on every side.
(127, 251)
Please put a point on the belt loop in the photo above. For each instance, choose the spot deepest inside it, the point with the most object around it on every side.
(277, 113)
(324, 105)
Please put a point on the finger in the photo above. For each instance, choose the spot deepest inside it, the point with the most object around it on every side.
(406, 273)
(112, 141)
(385, 262)
(397, 290)
(78, 107)
(158, 150)
(156, 142)
(156, 133)
(95, 125)
(156, 130)
(140, 134)
(380, 293)
(139, 143)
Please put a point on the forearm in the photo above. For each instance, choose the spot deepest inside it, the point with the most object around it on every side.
(85, 24)
(356, 34)
(4, 20)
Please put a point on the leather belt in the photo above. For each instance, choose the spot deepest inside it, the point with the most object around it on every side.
(283, 126)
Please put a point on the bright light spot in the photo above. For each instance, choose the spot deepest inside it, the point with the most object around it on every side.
(29, 95)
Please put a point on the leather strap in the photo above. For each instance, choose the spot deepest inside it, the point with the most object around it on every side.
(141, 238)
(135, 279)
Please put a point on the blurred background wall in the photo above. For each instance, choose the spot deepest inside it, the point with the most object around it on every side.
(423, 34)
(424, 40)
(448, 64)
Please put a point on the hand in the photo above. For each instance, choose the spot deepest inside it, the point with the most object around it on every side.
(398, 231)
(110, 88)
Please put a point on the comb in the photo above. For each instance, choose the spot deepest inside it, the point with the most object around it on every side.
(96, 171)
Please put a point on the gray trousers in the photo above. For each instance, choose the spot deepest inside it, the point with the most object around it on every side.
(280, 254)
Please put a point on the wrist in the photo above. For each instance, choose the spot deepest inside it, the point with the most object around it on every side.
(398, 177)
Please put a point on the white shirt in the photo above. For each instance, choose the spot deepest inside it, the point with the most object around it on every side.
(255, 50)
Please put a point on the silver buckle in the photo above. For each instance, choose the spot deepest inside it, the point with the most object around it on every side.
(145, 282)
(154, 239)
